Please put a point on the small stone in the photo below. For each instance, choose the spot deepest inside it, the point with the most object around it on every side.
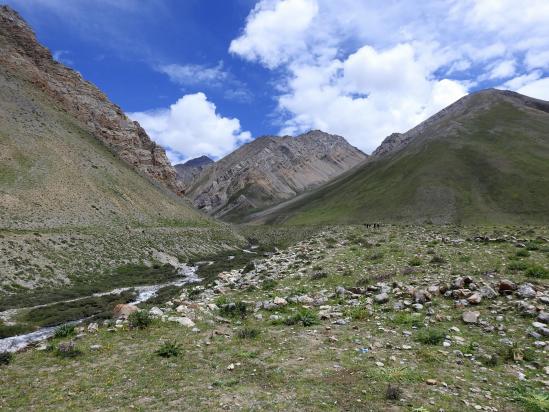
(183, 320)
(380, 364)
(280, 301)
(487, 292)
(417, 307)
(471, 317)
(381, 298)
(475, 298)
(95, 347)
(526, 291)
(156, 312)
(93, 327)
(230, 367)
(506, 286)
(431, 382)
(543, 317)
(340, 291)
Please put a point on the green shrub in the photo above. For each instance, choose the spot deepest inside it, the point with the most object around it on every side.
(139, 319)
(234, 310)
(415, 261)
(532, 400)
(169, 350)
(537, 271)
(269, 284)
(247, 333)
(356, 313)
(517, 265)
(393, 393)
(430, 336)
(67, 350)
(306, 317)
(319, 275)
(376, 256)
(6, 358)
(522, 253)
(7, 331)
(64, 330)
(532, 246)
(437, 260)
(408, 319)
(194, 293)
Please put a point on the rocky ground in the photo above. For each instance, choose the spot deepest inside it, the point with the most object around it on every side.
(393, 318)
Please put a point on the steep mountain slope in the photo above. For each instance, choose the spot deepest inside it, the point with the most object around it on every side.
(22, 56)
(82, 188)
(484, 158)
(271, 169)
(187, 172)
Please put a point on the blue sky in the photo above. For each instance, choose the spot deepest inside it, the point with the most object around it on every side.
(205, 76)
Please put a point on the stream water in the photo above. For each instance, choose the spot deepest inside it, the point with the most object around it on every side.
(16, 343)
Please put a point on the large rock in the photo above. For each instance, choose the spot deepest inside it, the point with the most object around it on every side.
(471, 317)
(182, 320)
(122, 311)
(526, 291)
(381, 298)
(506, 287)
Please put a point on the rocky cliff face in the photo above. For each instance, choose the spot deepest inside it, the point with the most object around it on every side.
(271, 169)
(23, 57)
(188, 172)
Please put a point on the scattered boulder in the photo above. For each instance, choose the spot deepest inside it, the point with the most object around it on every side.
(156, 312)
(182, 320)
(506, 287)
(471, 316)
(93, 327)
(526, 291)
(422, 296)
(122, 311)
(543, 317)
(280, 301)
(381, 298)
(487, 292)
(475, 298)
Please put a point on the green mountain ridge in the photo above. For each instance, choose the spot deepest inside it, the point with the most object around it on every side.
(483, 159)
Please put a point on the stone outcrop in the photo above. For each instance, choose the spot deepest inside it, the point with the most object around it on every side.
(23, 57)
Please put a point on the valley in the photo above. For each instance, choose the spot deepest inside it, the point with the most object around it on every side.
(274, 272)
(395, 318)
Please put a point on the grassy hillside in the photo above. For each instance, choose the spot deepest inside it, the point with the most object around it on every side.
(489, 164)
(69, 208)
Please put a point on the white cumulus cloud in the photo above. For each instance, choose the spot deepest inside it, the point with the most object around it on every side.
(192, 74)
(191, 127)
(367, 69)
(274, 31)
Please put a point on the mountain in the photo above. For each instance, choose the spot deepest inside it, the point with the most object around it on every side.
(22, 56)
(269, 170)
(82, 188)
(187, 172)
(483, 159)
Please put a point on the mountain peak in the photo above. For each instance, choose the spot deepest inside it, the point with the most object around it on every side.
(270, 169)
(444, 122)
